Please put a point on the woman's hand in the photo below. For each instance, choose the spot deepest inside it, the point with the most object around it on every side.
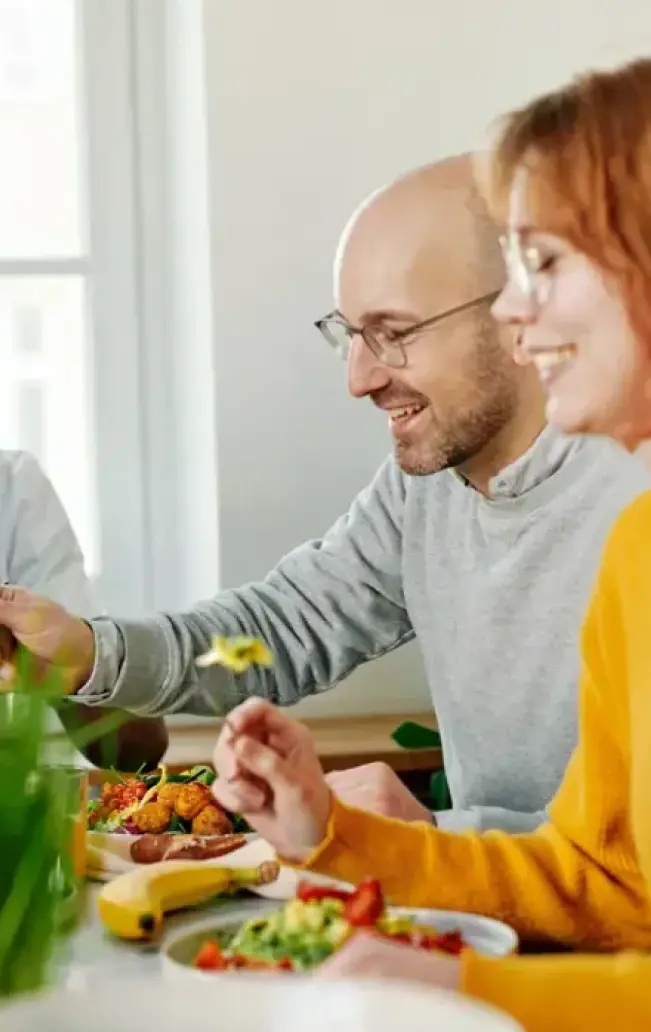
(268, 770)
(369, 956)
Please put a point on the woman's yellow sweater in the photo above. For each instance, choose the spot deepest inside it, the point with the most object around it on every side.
(583, 879)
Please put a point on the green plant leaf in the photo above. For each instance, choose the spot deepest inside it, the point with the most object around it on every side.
(410, 735)
(439, 792)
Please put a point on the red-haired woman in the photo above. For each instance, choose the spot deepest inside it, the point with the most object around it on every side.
(570, 176)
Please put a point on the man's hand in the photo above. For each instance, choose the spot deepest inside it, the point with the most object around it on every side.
(377, 788)
(55, 641)
(268, 770)
(368, 956)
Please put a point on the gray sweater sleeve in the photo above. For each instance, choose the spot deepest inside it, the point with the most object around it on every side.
(489, 818)
(327, 607)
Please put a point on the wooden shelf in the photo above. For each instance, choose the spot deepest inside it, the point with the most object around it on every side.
(341, 742)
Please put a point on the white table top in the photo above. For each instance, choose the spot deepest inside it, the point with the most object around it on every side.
(91, 952)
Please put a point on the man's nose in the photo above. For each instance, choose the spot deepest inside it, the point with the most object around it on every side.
(513, 305)
(366, 373)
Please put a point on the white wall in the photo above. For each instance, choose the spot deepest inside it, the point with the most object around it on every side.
(310, 107)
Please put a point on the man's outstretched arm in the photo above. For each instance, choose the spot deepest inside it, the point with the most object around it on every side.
(327, 607)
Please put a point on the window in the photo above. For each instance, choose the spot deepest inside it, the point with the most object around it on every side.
(69, 315)
(105, 289)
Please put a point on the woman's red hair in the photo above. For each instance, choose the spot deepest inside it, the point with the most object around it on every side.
(588, 151)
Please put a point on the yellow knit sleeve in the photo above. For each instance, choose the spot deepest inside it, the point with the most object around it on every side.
(541, 884)
(566, 994)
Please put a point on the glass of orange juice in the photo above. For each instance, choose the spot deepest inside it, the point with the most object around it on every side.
(71, 787)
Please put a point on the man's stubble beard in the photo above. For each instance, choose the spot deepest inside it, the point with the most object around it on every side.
(487, 409)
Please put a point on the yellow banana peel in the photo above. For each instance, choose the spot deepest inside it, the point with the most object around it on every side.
(134, 905)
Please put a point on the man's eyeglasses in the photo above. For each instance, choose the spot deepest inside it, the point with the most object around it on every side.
(389, 346)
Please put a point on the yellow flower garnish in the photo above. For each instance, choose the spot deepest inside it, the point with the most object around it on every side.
(236, 654)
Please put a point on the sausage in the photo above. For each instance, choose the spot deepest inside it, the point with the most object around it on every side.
(150, 849)
(194, 848)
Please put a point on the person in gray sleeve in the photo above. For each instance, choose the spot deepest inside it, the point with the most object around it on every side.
(479, 536)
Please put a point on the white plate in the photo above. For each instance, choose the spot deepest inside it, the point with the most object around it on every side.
(491, 938)
(274, 1004)
(109, 855)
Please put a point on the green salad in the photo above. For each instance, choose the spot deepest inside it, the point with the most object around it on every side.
(313, 927)
(303, 933)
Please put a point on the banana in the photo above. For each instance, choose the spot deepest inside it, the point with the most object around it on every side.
(134, 905)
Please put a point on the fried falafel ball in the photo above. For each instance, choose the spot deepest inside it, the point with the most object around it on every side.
(168, 794)
(191, 800)
(211, 821)
(152, 818)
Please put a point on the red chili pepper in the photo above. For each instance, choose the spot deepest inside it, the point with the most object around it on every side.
(210, 957)
(365, 905)
(308, 893)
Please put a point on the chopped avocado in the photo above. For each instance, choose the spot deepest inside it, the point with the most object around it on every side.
(311, 955)
(257, 924)
(332, 907)
(314, 916)
(293, 916)
(337, 933)
(307, 933)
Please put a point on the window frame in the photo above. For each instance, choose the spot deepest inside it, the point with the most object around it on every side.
(108, 77)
